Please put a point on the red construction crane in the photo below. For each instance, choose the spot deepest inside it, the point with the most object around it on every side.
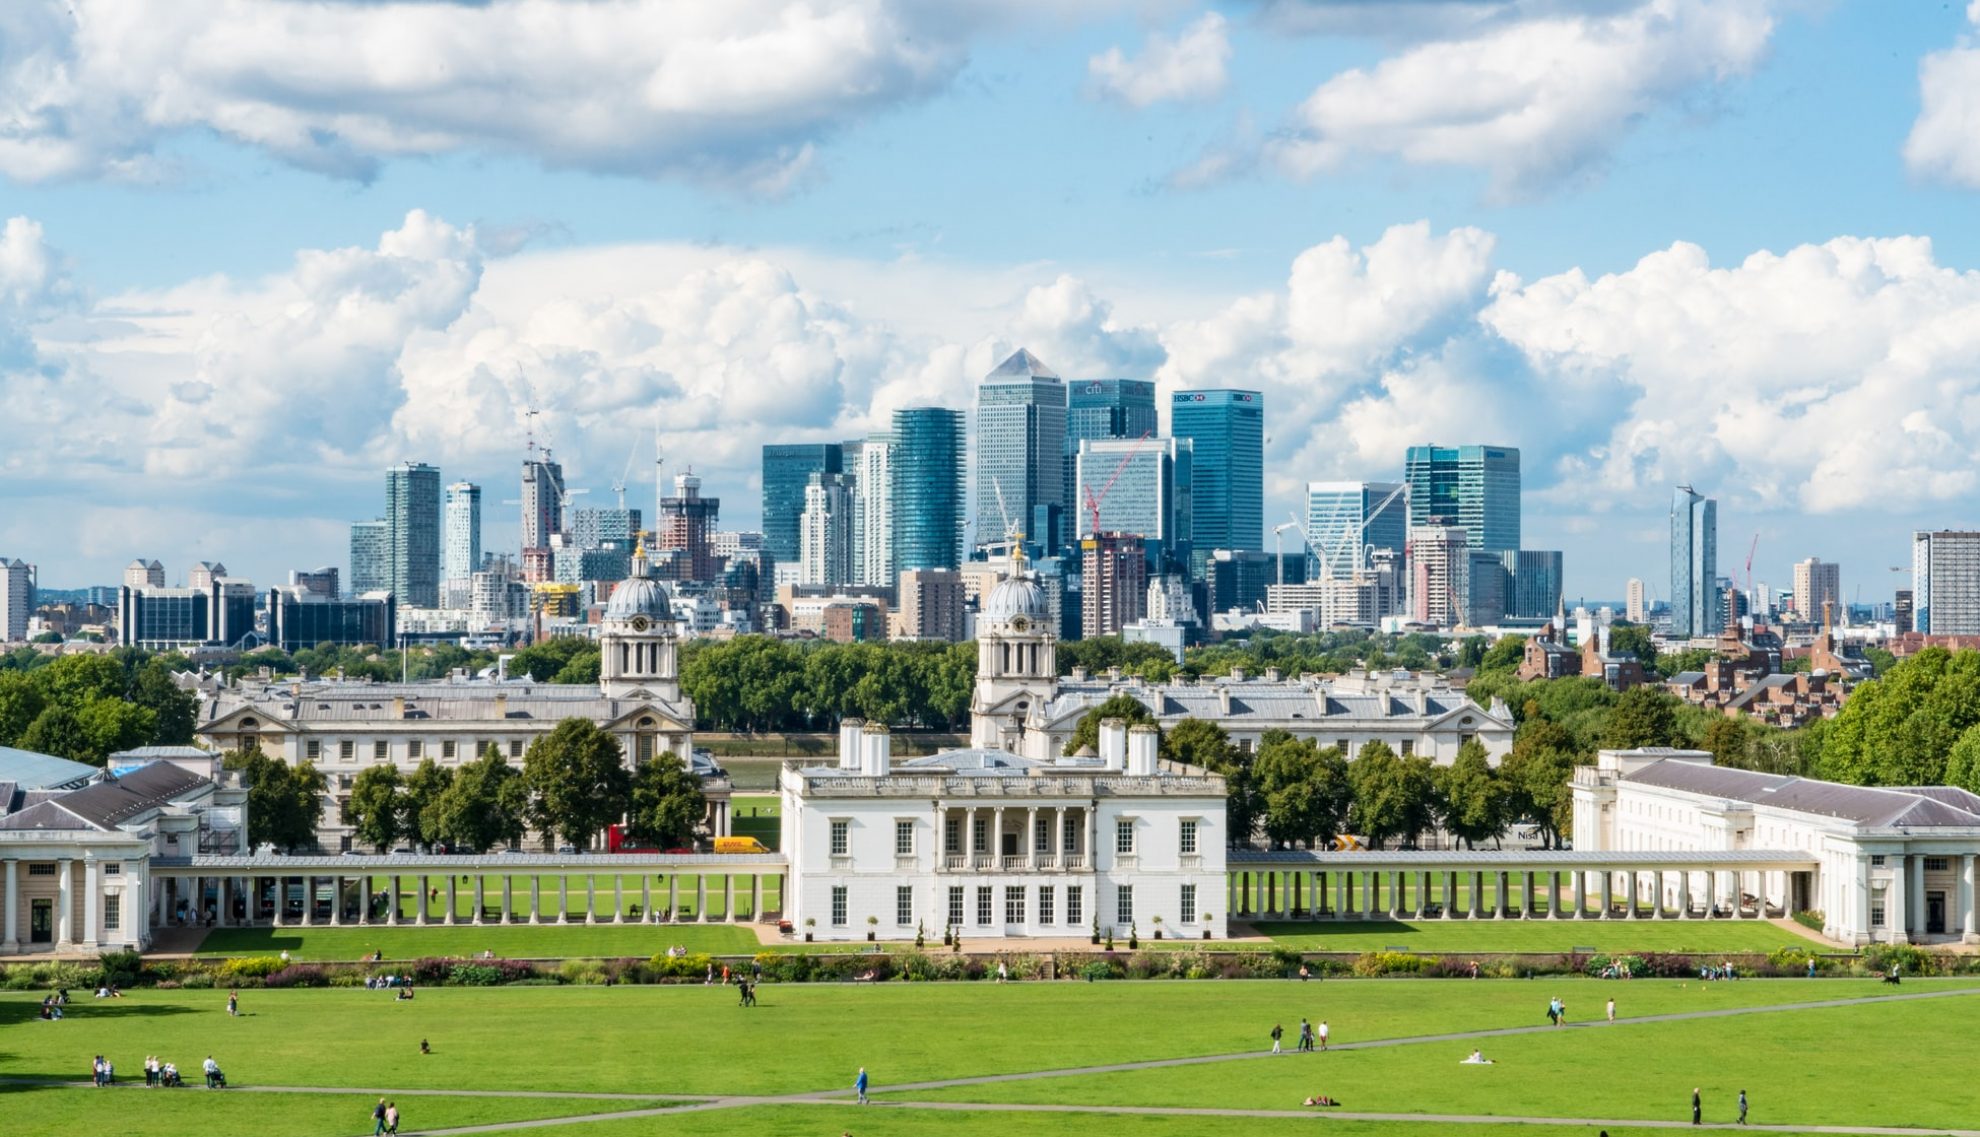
(1750, 550)
(1092, 501)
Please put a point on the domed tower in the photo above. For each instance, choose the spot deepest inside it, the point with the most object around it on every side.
(1016, 659)
(639, 649)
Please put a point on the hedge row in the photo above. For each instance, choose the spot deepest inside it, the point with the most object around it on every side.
(126, 969)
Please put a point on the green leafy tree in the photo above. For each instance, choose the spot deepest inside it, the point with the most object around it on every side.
(667, 804)
(1630, 639)
(174, 712)
(1393, 797)
(1963, 763)
(1125, 707)
(1202, 743)
(578, 783)
(21, 702)
(74, 679)
(1305, 790)
(424, 787)
(58, 730)
(376, 807)
(1536, 777)
(1900, 729)
(1473, 795)
(483, 807)
(284, 802)
(543, 662)
(581, 668)
(1726, 738)
(1643, 716)
(1505, 655)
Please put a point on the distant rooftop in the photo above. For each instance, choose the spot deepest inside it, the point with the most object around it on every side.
(1022, 364)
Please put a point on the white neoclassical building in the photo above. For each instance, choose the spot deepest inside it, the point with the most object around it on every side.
(1882, 864)
(77, 862)
(345, 726)
(1021, 703)
(997, 843)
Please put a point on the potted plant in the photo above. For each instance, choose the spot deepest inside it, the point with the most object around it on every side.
(1134, 939)
(1096, 929)
(920, 936)
(948, 934)
(1206, 925)
(872, 924)
(1157, 921)
(1110, 939)
(958, 940)
(809, 923)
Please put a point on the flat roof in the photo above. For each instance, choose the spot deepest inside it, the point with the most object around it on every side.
(1540, 859)
(519, 864)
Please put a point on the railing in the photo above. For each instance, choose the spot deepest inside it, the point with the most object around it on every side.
(1045, 861)
(1038, 786)
(1075, 860)
(1013, 864)
(955, 862)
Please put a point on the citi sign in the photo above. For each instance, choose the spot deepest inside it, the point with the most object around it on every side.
(1216, 396)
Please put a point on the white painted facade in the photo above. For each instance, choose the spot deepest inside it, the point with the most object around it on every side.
(1893, 865)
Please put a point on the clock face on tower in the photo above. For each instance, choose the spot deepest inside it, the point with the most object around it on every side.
(1019, 623)
(641, 623)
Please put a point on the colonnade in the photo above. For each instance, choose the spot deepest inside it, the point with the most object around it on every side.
(1417, 893)
(444, 894)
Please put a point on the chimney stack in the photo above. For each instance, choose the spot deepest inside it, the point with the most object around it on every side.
(1113, 744)
(879, 747)
(850, 743)
(1144, 744)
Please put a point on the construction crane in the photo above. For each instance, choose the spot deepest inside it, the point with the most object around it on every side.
(1278, 553)
(1354, 532)
(1750, 550)
(1093, 501)
(619, 486)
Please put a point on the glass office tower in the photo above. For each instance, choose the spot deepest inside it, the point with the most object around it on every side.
(787, 470)
(1099, 409)
(1695, 609)
(1347, 520)
(1226, 431)
(926, 498)
(369, 558)
(1020, 450)
(1473, 486)
(412, 534)
(460, 554)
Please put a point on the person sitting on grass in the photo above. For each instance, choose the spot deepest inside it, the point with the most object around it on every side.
(1320, 1100)
(1477, 1059)
(405, 994)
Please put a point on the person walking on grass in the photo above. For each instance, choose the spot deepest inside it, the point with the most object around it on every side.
(1322, 1034)
(1612, 1010)
(1305, 1036)
(392, 1118)
(234, 1003)
(1695, 1108)
(378, 1118)
(1277, 1030)
(1742, 1107)
(859, 1086)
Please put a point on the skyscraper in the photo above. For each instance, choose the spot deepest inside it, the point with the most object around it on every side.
(873, 511)
(1347, 520)
(1635, 605)
(1142, 486)
(1114, 583)
(1476, 487)
(685, 529)
(412, 534)
(930, 446)
(1695, 607)
(1020, 450)
(1945, 582)
(1533, 583)
(370, 558)
(1226, 431)
(1817, 586)
(1099, 409)
(787, 469)
(825, 531)
(542, 502)
(460, 547)
(16, 599)
(141, 573)
(1439, 575)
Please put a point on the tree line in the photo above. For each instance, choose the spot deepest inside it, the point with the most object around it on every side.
(85, 707)
(572, 785)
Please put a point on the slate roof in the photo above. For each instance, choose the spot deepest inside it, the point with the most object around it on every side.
(110, 802)
(1260, 701)
(1875, 807)
(427, 702)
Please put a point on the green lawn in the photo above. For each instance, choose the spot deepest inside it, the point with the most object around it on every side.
(1460, 936)
(560, 894)
(1803, 1067)
(755, 815)
(510, 941)
(89, 1112)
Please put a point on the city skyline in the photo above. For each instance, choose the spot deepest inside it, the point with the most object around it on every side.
(211, 333)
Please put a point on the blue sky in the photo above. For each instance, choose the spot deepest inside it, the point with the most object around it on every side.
(268, 249)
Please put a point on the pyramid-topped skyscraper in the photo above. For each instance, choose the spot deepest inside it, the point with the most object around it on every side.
(1020, 451)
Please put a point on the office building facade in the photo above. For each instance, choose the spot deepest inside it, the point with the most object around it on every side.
(298, 619)
(1020, 453)
(460, 545)
(1142, 486)
(1113, 583)
(412, 534)
(825, 543)
(683, 533)
(1226, 432)
(542, 501)
(1696, 609)
(1473, 487)
(873, 512)
(1439, 575)
(1945, 582)
(321, 581)
(17, 585)
(1636, 606)
(1533, 582)
(927, 468)
(930, 603)
(1817, 589)
(370, 557)
(1100, 409)
(787, 470)
(1345, 521)
(141, 573)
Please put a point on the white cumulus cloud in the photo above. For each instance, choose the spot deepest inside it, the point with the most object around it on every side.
(735, 92)
(1189, 65)
(1945, 140)
(1525, 100)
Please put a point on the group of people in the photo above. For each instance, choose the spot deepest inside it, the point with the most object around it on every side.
(384, 1117)
(160, 1073)
(51, 1005)
(387, 982)
(1556, 1012)
(1309, 1034)
(1723, 971)
(745, 991)
(1698, 1107)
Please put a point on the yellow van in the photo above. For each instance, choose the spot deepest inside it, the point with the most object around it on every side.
(739, 845)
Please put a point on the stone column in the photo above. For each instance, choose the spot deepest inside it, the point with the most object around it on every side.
(507, 909)
(729, 897)
(996, 841)
(480, 897)
(1608, 894)
(701, 898)
(646, 898)
(92, 901)
(64, 902)
(536, 900)
(969, 836)
(1684, 895)
(419, 910)
(563, 898)
(1630, 896)
(392, 908)
(453, 902)
(590, 899)
(756, 897)
(336, 900)
(1499, 910)
(1711, 894)
(1477, 895)
(12, 908)
(618, 898)
(1030, 841)
(673, 896)
(1915, 902)
(1969, 924)
(1092, 831)
(1058, 842)
(1526, 895)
